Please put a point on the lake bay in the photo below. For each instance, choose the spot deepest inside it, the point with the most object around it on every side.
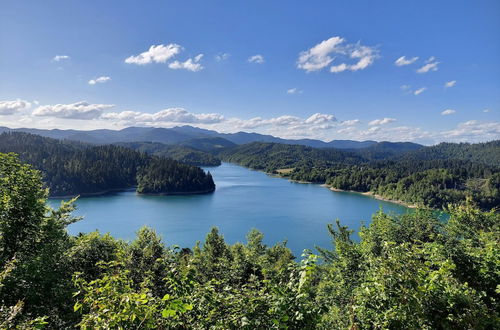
(244, 199)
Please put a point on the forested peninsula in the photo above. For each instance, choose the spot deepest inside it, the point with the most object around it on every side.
(410, 271)
(73, 168)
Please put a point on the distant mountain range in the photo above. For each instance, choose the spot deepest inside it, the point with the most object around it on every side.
(194, 137)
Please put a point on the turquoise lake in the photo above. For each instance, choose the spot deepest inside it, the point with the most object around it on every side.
(244, 199)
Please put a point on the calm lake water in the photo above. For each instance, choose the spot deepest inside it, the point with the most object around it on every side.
(244, 199)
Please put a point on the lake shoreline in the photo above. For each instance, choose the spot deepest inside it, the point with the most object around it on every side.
(368, 193)
(373, 195)
(110, 191)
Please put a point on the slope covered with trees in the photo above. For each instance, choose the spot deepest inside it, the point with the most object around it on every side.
(429, 176)
(405, 272)
(182, 154)
(77, 169)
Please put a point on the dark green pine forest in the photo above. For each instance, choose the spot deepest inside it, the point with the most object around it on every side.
(410, 271)
(73, 168)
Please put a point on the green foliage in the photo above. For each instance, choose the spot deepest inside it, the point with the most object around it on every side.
(71, 168)
(411, 271)
(162, 176)
(180, 153)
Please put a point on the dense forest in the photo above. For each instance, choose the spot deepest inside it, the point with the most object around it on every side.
(72, 168)
(410, 271)
(430, 176)
(180, 153)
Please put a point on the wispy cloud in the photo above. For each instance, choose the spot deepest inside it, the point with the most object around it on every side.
(294, 91)
(78, 110)
(486, 110)
(259, 59)
(155, 54)
(222, 57)
(448, 112)
(405, 61)
(59, 58)
(382, 121)
(431, 65)
(190, 64)
(11, 107)
(323, 54)
(449, 84)
(100, 80)
(419, 91)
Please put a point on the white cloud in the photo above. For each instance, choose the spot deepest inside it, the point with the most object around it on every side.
(448, 112)
(259, 59)
(431, 65)
(351, 122)
(381, 121)
(320, 118)
(99, 80)
(222, 57)
(405, 87)
(486, 110)
(324, 53)
(419, 91)
(11, 107)
(472, 131)
(59, 58)
(317, 57)
(170, 115)
(78, 110)
(155, 54)
(294, 91)
(190, 64)
(405, 61)
(450, 84)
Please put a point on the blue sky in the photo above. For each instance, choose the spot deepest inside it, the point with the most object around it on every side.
(322, 69)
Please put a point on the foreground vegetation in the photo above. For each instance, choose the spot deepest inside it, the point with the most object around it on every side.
(429, 177)
(72, 168)
(410, 271)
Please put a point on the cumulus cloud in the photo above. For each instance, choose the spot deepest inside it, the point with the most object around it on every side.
(155, 54)
(190, 64)
(405, 61)
(259, 59)
(448, 112)
(287, 123)
(222, 57)
(12, 107)
(431, 65)
(170, 115)
(472, 131)
(78, 110)
(59, 58)
(99, 80)
(419, 91)
(450, 84)
(320, 118)
(323, 54)
(294, 91)
(382, 121)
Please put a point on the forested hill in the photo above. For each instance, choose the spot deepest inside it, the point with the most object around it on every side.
(486, 153)
(273, 156)
(182, 154)
(71, 168)
(426, 176)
